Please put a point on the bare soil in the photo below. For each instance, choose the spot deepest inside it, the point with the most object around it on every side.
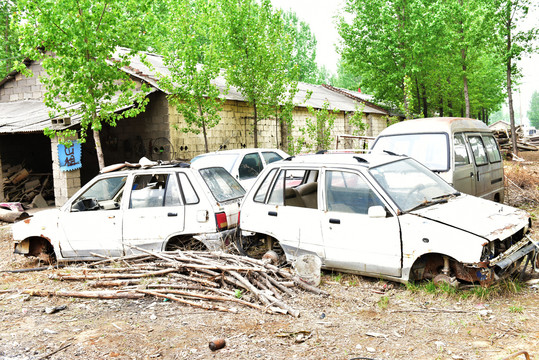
(362, 318)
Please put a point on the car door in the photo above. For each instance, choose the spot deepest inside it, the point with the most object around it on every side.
(282, 212)
(463, 169)
(92, 224)
(155, 211)
(353, 240)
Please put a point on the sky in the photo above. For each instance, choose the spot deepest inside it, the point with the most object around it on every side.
(320, 15)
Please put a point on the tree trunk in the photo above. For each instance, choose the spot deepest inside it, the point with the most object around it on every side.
(99, 150)
(203, 129)
(509, 90)
(465, 84)
(255, 125)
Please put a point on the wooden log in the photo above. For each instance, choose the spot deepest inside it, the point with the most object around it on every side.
(198, 305)
(215, 298)
(86, 294)
(111, 276)
(19, 176)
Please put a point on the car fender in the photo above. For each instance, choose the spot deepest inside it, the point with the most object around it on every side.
(422, 236)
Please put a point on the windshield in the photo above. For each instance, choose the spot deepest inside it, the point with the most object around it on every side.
(410, 184)
(224, 160)
(429, 149)
(221, 184)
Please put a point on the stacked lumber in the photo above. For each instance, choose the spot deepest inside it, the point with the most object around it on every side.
(208, 280)
(523, 144)
(31, 189)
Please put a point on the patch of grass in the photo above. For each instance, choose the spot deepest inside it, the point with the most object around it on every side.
(516, 309)
(505, 287)
(336, 277)
(383, 303)
(238, 294)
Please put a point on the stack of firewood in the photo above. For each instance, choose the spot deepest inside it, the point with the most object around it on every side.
(208, 280)
(23, 186)
(524, 144)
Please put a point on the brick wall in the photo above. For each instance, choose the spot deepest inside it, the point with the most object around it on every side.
(66, 183)
(23, 88)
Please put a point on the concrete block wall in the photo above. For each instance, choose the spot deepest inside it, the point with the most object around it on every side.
(66, 183)
(24, 88)
(135, 137)
(235, 130)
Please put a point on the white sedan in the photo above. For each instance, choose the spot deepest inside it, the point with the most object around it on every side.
(243, 164)
(382, 216)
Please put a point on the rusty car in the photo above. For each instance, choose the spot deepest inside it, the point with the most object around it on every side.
(384, 216)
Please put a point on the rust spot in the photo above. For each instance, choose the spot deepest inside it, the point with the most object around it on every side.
(27, 221)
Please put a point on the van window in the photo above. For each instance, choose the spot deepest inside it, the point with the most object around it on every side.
(478, 150)
(430, 149)
(492, 149)
(460, 151)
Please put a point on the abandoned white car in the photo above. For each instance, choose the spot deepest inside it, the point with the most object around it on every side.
(158, 208)
(243, 164)
(382, 216)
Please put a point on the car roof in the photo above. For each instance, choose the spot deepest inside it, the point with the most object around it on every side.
(439, 124)
(331, 159)
(240, 151)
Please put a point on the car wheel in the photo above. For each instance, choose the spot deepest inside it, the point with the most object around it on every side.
(185, 244)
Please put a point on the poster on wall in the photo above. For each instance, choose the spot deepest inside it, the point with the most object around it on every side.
(69, 157)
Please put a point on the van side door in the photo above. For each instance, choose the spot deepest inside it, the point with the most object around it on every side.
(464, 169)
(482, 173)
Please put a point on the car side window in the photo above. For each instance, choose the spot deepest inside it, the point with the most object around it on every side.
(293, 189)
(262, 191)
(271, 156)
(492, 149)
(172, 192)
(478, 150)
(460, 151)
(250, 166)
(105, 194)
(148, 190)
(349, 192)
(189, 192)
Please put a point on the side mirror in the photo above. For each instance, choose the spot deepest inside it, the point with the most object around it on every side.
(377, 212)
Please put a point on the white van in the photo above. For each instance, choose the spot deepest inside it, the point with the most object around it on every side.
(462, 151)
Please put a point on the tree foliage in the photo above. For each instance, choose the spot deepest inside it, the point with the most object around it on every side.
(76, 41)
(303, 55)
(258, 53)
(533, 112)
(316, 135)
(9, 48)
(190, 46)
(427, 58)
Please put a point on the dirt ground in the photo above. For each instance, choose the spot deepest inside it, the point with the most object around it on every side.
(361, 319)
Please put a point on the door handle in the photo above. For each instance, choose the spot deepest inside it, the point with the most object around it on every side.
(172, 214)
(272, 213)
(471, 174)
(334, 221)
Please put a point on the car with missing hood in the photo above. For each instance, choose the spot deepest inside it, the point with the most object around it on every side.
(383, 216)
(153, 207)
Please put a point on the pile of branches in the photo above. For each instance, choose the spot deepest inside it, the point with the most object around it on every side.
(208, 280)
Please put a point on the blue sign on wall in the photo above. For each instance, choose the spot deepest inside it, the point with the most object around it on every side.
(69, 157)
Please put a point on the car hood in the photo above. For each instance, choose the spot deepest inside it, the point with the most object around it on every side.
(478, 216)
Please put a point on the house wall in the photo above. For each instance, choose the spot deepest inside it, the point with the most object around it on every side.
(24, 88)
(235, 130)
(143, 135)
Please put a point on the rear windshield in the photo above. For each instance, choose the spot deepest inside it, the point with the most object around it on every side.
(429, 149)
(221, 184)
(223, 160)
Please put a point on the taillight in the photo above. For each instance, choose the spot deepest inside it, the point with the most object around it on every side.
(222, 223)
(238, 218)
